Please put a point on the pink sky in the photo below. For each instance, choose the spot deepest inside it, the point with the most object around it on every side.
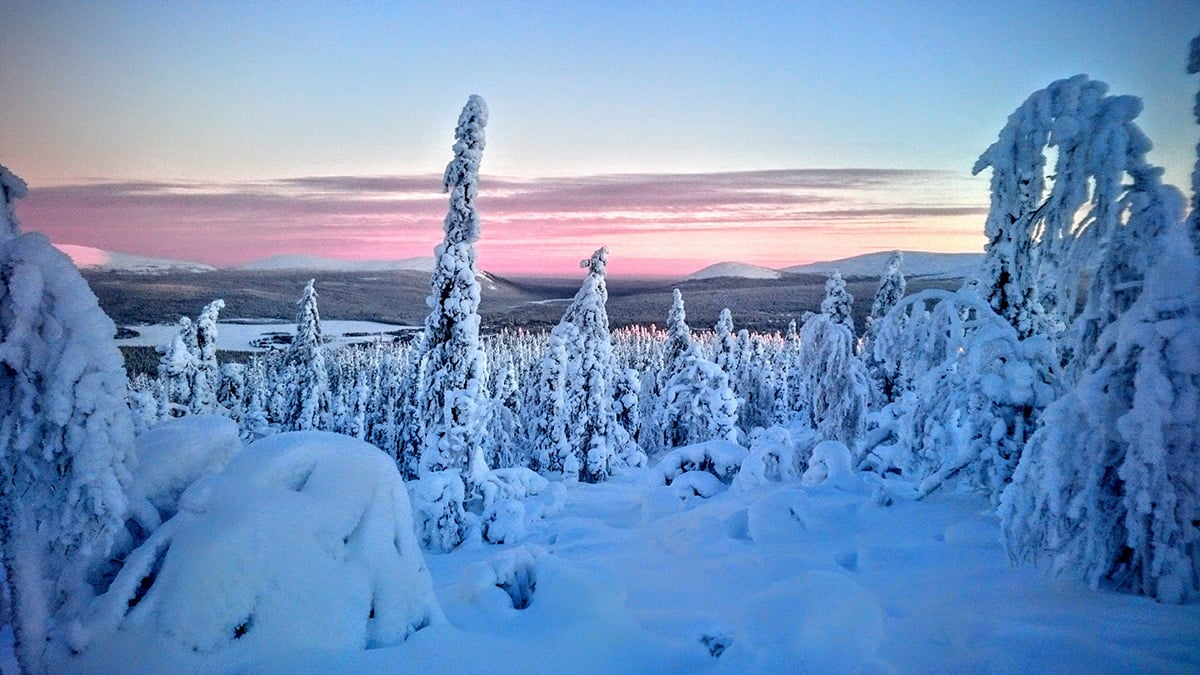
(667, 224)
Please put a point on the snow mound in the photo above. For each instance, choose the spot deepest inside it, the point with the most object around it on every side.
(177, 452)
(821, 622)
(304, 541)
(916, 264)
(719, 457)
(323, 264)
(733, 269)
(86, 257)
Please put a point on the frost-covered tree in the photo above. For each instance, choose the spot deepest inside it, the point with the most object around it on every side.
(451, 404)
(838, 301)
(626, 392)
(308, 378)
(679, 339)
(177, 371)
(725, 342)
(12, 188)
(597, 439)
(1037, 244)
(208, 373)
(504, 419)
(550, 443)
(1108, 489)
(891, 290)
(65, 433)
(835, 388)
(1193, 222)
(699, 404)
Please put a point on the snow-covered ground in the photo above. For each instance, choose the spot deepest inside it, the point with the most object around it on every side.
(633, 576)
(251, 335)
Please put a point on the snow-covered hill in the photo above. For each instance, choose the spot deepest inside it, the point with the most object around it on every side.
(86, 257)
(323, 264)
(733, 269)
(916, 264)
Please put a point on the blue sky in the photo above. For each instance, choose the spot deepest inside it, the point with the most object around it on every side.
(261, 91)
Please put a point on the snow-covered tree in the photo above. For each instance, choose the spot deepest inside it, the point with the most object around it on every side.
(551, 447)
(1037, 245)
(699, 404)
(679, 339)
(208, 374)
(65, 433)
(308, 379)
(1193, 222)
(1108, 489)
(835, 386)
(891, 289)
(837, 302)
(12, 188)
(177, 371)
(596, 438)
(451, 403)
(725, 342)
(626, 392)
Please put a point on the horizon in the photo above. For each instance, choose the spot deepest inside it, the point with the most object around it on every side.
(767, 135)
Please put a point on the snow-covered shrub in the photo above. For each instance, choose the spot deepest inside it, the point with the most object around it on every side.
(777, 454)
(503, 522)
(696, 484)
(829, 464)
(719, 457)
(513, 571)
(1108, 489)
(65, 433)
(438, 507)
(304, 541)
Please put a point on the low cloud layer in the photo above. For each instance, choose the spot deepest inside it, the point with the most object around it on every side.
(654, 223)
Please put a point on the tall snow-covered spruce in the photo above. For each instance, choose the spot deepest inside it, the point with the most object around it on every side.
(308, 379)
(65, 432)
(451, 398)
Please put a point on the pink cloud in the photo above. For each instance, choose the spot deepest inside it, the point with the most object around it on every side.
(653, 223)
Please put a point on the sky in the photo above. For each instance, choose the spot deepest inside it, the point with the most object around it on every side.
(677, 133)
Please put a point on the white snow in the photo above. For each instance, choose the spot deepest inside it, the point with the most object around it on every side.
(248, 335)
(86, 257)
(325, 264)
(778, 579)
(916, 264)
(733, 269)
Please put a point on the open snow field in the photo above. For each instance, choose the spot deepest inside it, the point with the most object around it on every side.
(630, 578)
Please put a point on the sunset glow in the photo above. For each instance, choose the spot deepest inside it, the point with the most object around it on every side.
(767, 133)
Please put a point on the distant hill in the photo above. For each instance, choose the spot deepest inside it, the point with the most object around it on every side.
(734, 270)
(86, 257)
(916, 264)
(321, 264)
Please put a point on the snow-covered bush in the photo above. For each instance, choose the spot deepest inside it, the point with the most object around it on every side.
(176, 453)
(65, 433)
(969, 417)
(304, 541)
(829, 464)
(438, 507)
(698, 404)
(777, 454)
(721, 458)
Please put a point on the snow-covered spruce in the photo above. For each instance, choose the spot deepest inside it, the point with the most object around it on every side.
(12, 188)
(451, 406)
(177, 371)
(1108, 489)
(208, 374)
(304, 541)
(65, 437)
(307, 379)
(1037, 248)
(891, 289)
(838, 301)
(1193, 221)
(835, 389)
